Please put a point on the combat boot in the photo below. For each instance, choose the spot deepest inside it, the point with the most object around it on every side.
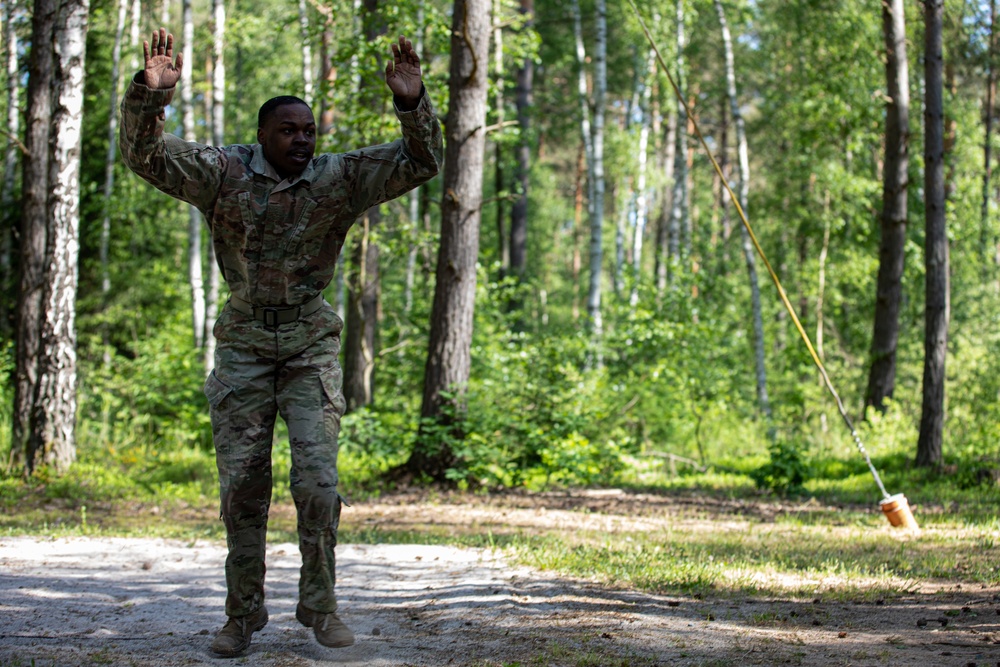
(234, 637)
(328, 628)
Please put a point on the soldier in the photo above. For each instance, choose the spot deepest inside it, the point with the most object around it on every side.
(278, 217)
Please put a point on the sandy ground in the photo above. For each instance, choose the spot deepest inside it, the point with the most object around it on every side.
(81, 601)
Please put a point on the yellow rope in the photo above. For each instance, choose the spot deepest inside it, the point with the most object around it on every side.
(760, 252)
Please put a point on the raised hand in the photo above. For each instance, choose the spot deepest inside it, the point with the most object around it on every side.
(160, 71)
(402, 74)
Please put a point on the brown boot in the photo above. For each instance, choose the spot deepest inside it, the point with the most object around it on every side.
(328, 628)
(234, 637)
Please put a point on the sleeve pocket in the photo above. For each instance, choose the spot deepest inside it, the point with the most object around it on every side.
(216, 390)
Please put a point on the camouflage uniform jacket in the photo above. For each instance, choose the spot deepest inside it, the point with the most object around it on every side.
(277, 241)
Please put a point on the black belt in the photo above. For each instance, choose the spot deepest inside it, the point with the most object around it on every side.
(272, 316)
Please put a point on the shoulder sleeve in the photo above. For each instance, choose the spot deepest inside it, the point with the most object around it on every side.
(377, 174)
(187, 170)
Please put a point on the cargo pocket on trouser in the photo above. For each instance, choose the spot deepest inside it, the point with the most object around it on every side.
(216, 391)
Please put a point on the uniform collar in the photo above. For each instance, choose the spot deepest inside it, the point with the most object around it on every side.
(260, 165)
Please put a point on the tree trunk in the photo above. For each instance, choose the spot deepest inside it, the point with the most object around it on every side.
(195, 273)
(218, 112)
(663, 224)
(744, 195)
(597, 209)
(641, 202)
(306, 40)
(936, 251)
(892, 247)
(361, 325)
(503, 241)
(34, 227)
(449, 350)
(112, 153)
(415, 197)
(362, 316)
(678, 197)
(586, 133)
(10, 169)
(133, 37)
(991, 89)
(53, 418)
(519, 210)
(577, 261)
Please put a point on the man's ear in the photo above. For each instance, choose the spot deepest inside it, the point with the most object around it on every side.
(260, 135)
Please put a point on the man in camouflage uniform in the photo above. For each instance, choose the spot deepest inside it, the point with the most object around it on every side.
(278, 217)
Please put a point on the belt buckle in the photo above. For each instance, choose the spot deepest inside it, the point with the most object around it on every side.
(270, 317)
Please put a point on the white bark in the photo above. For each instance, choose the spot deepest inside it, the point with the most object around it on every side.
(219, 139)
(54, 413)
(642, 200)
(597, 214)
(195, 275)
(744, 189)
(678, 198)
(133, 37)
(10, 154)
(112, 154)
(307, 75)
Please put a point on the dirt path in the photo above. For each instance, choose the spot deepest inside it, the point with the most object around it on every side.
(71, 602)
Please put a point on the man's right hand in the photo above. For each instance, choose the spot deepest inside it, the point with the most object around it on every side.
(160, 72)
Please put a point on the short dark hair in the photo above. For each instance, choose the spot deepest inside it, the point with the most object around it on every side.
(268, 107)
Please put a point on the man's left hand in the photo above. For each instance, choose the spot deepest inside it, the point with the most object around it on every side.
(403, 75)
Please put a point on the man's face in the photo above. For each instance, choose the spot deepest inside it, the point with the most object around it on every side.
(288, 138)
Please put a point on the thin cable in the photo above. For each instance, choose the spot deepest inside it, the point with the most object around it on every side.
(763, 257)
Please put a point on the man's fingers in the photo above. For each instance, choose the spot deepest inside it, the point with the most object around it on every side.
(145, 51)
(180, 61)
(170, 46)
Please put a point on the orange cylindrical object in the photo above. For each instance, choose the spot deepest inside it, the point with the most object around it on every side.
(897, 510)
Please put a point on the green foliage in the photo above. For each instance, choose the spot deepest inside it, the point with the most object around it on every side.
(785, 472)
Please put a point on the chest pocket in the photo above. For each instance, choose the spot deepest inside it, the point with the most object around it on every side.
(305, 230)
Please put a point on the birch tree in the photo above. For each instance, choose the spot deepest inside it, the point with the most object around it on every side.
(7, 190)
(449, 349)
(51, 438)
(642, 205)
(743, 187)
(306, 44)
(112, 154)
(895, 181)
(218, 113)
(678, 196)
(936, 287)
(597, 208)
(195, 273)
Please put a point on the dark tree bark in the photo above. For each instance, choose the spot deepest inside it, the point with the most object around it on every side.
(988, 111)
(882, 376)
(8, 215)
(449, 350)
(519, 210)
(362, 315)
(936, 309)
(362, 282)
(34, 224)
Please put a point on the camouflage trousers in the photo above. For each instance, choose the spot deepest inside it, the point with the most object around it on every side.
(261, 372)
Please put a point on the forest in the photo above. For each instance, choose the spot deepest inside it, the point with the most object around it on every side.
(618, 325)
